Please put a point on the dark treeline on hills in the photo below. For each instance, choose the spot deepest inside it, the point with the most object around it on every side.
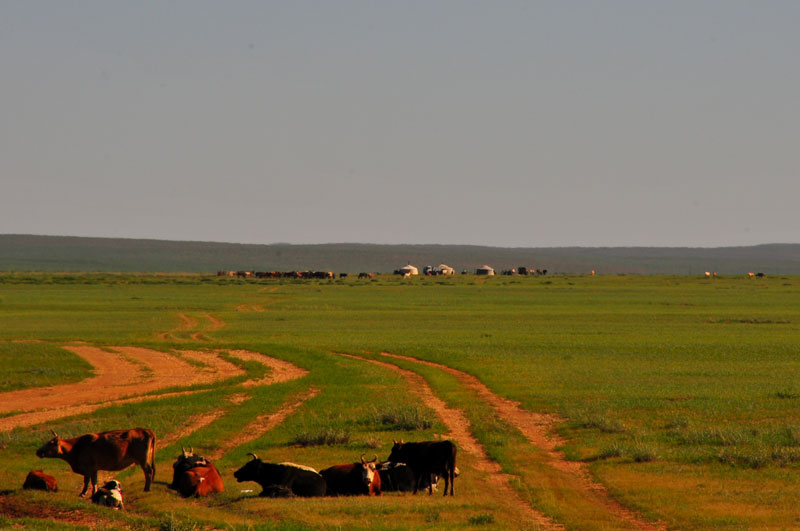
(61, 253)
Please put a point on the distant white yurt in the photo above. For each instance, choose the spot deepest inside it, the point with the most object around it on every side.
(485, 270)
(410, 269)
(445, 269)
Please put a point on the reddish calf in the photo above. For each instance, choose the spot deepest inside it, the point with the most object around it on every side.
(38, 480)
(200, 481)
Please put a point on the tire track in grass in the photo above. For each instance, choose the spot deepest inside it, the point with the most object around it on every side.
(263, 423)
(214, 324)
(460, 431)
(186, 323)
(281, 371)
(538, 429)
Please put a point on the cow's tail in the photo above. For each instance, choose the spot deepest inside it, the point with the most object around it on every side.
(151, 456)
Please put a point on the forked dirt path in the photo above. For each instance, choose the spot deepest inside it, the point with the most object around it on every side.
(459, 428)
(122, 374)
(538, 429)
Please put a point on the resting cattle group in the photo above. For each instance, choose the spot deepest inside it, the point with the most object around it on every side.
(411, 466)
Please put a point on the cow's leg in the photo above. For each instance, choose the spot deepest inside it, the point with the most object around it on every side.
(149, 475)
(86, 479)
(452, 475)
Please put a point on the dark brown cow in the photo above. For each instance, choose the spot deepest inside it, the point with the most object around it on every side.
(353, 478)
(38, 480)
(108, 450)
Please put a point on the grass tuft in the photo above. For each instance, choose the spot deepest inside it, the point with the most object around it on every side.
(644, 453)
(321, 437)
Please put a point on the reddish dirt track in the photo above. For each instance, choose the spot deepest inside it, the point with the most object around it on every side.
(538, 428)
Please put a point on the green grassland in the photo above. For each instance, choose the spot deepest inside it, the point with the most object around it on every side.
(680, 393)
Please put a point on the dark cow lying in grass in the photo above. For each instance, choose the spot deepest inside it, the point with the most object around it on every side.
(427, 458)
(194, 475)
(282, 480)
(398, 477)
(353, 478)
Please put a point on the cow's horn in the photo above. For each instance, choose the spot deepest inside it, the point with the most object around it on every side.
(54, 434)
(363, 462)
(375, 460)
(254, 455)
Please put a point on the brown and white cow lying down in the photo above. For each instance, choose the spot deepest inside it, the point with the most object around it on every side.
(108, 450)
(194, 475)
(109, 495)
(353, 478)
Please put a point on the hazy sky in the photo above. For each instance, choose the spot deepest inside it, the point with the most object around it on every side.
(527, 123)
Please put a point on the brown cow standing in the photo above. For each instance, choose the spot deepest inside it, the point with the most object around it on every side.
(108, 450)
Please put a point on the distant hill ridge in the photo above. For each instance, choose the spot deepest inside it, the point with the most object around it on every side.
(67, 253)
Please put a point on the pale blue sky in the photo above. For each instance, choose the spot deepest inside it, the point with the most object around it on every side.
(500, 123)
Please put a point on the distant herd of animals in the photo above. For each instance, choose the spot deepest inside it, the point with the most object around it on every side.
(430, 271)
(411, 467)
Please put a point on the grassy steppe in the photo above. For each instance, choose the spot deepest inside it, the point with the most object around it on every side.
(681, 393)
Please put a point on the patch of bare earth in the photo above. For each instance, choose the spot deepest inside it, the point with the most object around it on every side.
(460, 431)
(264, 423)
(539, 430)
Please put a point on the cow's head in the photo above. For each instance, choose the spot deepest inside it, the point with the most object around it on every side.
(368, 471)
(397, 455)
(183, 457)
(113, 485)
(51, 448)
(249, 472)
